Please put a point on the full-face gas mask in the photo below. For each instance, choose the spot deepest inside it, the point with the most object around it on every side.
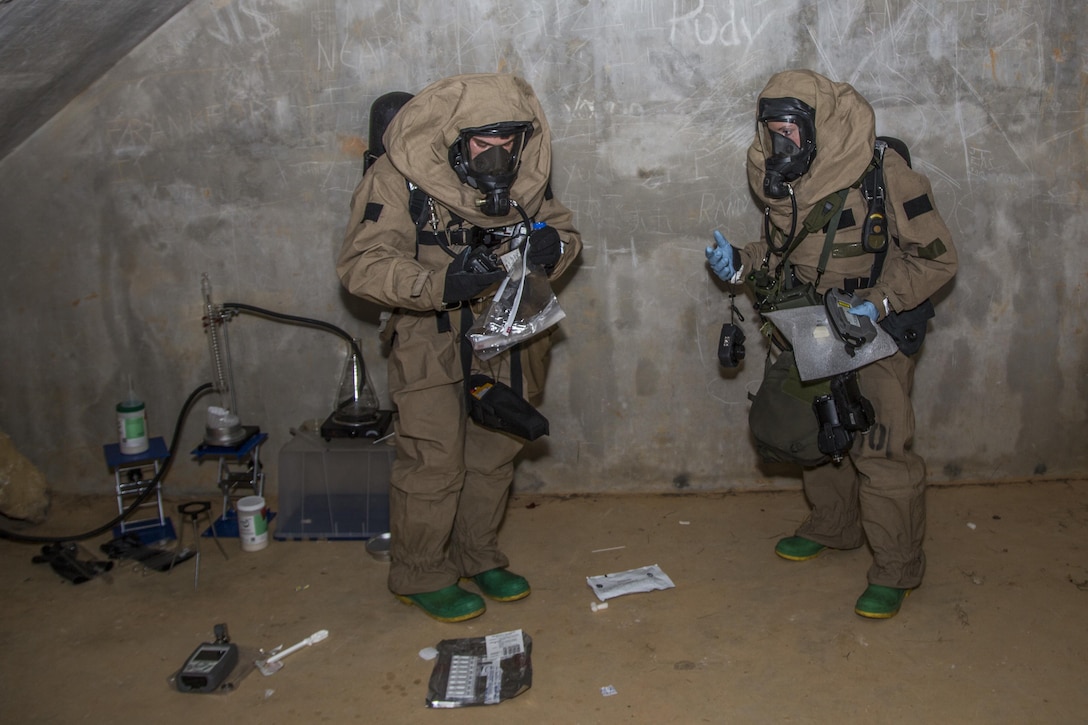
(788, 160)
(487, 158)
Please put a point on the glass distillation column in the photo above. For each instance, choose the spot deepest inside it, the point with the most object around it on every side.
(222, 427)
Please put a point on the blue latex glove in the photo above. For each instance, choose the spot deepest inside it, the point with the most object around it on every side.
(865, 309)
(722, 258)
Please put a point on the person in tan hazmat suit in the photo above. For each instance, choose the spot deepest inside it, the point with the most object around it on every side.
(477, 151)
(814, 138)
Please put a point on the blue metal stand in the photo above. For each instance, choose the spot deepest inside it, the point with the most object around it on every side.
(239, 466)
(130, 482)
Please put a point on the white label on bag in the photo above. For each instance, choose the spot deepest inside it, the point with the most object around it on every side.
(511, 260)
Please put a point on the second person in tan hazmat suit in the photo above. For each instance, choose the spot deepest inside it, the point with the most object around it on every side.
(814, 146)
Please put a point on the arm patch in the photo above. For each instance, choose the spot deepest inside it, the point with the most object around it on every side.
(372, 212)
(847, 220)
(933, 250)
(917, 206)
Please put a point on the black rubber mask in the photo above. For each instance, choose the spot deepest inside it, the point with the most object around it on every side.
(494, 169)
(787, 161)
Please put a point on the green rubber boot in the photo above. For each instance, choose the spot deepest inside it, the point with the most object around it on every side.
(450, 604)
(878, 602)
(798, 548)
(502, 585)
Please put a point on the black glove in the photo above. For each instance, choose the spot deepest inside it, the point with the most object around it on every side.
(469, 274)
(545, 248)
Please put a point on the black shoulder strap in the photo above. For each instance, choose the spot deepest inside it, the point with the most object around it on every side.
(417, 204)
(874, 233)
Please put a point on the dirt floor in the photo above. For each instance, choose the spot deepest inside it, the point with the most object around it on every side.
(995, 635)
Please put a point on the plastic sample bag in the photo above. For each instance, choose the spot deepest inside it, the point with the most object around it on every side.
(643, 579)
(524, 306)
(481, 670)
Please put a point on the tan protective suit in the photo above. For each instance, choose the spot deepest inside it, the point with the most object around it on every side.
(877, 493)
(451, 478)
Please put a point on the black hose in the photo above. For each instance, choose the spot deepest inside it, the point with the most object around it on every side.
(152, 487)
(767, 231)
(302, 321)
(524, 217)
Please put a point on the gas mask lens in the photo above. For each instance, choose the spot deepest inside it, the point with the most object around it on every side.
(487, 159)
(791, 126)
(783, 145)
(494, 156)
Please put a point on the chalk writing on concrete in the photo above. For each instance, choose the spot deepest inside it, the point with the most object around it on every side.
(242, 22)
(715, 25)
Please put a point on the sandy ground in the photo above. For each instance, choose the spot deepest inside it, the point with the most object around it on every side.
(996, 634)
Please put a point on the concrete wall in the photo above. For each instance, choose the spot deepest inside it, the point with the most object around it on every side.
(230, 140)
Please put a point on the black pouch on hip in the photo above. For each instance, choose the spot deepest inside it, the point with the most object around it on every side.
(908, 328)
(495, 405)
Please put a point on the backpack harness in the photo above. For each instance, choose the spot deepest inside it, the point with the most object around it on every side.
(782, 290)
(422, 210)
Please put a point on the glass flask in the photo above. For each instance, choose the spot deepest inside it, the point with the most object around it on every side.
(356, 403)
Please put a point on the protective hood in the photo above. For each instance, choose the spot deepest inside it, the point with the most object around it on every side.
(418, 141)
(845, 133)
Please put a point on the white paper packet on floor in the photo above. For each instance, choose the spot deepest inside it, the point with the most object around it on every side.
(632, 581)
